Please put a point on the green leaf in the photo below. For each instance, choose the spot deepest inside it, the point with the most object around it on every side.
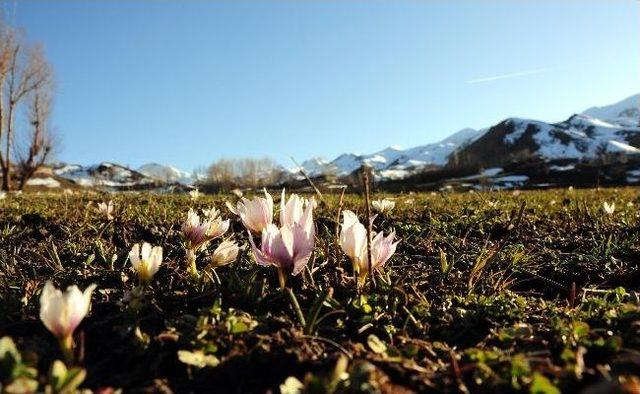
(8, 348)
(21, 386)
(542, 385)
(57, 374)
(66, 381)
(376, 345)
(239, 322)
(73, 380)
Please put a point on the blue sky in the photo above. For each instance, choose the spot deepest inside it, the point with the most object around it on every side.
(186, 83)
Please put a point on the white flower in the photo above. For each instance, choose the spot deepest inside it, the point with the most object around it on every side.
(61, 312)
(255, 214)
(292, 386)
(384, 205)
(106, 208)
(292, 211)
(237, 192)
(194, 194)
(609, 209)
(353, 241)
(225, 253)
(198, 234)
(289, 246)
(146, 260)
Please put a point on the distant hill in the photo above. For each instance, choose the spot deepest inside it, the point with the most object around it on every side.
(611, 130)
(601, 143)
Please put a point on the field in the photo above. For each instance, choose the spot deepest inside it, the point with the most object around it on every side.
(535, 291)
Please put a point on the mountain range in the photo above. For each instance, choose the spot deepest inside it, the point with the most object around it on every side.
(607, 131)
(598, 130)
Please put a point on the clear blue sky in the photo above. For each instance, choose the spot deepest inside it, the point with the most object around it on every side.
(187, 83)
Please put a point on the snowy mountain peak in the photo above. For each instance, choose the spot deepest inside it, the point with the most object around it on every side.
(613, 128)
(166, 173)
(461, 136)
(394, 161)
(313, 167)
(625, 113)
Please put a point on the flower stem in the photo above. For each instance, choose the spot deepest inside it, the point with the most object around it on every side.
(191, 264)
(282, 278)
(296, 307)
(66, 347)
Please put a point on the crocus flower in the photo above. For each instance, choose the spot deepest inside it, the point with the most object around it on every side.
(255, 214)
(225, 253)
(291, 212)
(106, 208)
(609, 209)
(353, 241)
(287, 247)
(62, 312)
(194, 194)
(384, 205)
(237, 192)
(198, 234)
(146, 260)
(382, 248)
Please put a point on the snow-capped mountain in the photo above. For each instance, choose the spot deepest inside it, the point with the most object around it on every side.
(625, 113)
(165, 173)
(111, 176)
(102, 175)
(579, 138)
(599, 132)
(607, 129)
(393, 162)
(315, 166)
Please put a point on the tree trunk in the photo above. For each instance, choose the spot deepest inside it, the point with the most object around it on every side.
(6, 168)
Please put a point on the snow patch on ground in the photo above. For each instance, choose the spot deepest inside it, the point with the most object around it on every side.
(492, 171)
(568, 167)
(46, 182)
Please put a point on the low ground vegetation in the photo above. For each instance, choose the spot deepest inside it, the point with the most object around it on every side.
(532, 291)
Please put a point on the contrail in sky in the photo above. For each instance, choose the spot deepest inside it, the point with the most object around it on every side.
(511, 75)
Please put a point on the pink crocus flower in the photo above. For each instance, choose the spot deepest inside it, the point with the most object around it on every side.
(199, 233)
(288, 247)
(62, 313)
(353, 241)
(106, 208)
(256, 214)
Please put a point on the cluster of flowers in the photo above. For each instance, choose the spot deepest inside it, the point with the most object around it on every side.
(287, 245)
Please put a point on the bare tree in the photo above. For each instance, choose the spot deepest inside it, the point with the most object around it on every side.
(6, 52)
(39, 140)
(23, 71)
(221, 174)
(256, 172)
(247, 172)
